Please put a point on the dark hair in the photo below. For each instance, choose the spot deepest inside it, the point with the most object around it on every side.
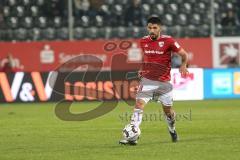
(154, 20)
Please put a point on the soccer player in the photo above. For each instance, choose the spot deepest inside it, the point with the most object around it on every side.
(155, 75)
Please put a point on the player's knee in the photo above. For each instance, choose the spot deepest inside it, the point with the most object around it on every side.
(139, 104)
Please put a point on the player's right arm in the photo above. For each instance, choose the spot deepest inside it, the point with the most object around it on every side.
(143, 41)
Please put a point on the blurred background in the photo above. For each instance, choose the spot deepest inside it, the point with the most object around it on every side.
(37, 36)
(43, 41)
(34, 20)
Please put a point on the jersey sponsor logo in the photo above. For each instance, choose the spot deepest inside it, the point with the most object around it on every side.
(153, 52)
(161, 44)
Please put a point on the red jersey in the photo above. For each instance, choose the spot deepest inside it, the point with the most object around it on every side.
(157, 57)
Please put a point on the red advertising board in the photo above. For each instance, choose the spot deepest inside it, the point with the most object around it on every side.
(46, 56)
(200, 51)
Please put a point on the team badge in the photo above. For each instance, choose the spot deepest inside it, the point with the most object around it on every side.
(161, 44)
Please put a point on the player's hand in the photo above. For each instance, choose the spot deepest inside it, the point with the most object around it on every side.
(184, 71)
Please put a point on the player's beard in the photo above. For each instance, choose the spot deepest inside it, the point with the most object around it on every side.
(153, 36)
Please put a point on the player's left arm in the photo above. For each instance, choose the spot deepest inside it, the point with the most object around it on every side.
(183, 68)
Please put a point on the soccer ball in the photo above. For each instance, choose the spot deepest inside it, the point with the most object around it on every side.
(131, 132)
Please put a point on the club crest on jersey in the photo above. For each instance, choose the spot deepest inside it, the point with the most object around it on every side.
(161, 44)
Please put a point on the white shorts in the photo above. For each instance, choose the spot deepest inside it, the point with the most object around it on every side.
(155, 90)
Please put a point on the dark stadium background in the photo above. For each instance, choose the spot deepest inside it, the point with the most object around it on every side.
(99, 41)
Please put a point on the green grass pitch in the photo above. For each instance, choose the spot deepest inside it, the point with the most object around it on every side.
(208, 130)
